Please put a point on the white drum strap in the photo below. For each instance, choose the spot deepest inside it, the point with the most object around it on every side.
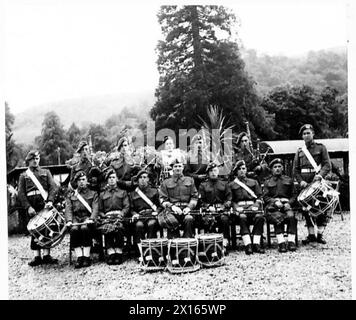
(81, 199)
(42, 191)
(241, 184)
(311, 159)
(146, 199)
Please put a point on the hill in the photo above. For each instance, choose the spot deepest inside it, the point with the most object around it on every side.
(96, 109)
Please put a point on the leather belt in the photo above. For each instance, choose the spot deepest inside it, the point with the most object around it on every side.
(33, 193)
(281, 199)
(181, 204)
(307, 170)
(245, 203)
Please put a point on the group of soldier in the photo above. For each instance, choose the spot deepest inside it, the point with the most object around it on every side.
(191, 195)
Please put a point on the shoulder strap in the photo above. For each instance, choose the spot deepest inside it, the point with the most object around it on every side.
(43, 192)
(241, 184)
(311, 159)
(145, 198)
(82, 200)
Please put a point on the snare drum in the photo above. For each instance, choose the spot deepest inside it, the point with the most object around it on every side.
(319, 198)
(211, 249)
(47, 227)
(153, 254)
(182, 255)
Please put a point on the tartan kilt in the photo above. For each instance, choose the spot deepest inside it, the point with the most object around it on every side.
(110, 225)
(167, 220)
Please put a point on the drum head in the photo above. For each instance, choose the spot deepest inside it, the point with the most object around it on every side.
(40, 219)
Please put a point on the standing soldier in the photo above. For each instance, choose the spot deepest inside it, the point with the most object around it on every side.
(81, 210)
(198, 159)
(144, 205)
(179, 195)
(246, 196)
(114, 206)
(37, 191)
(216, 197)
(279, 196)
(311, 163)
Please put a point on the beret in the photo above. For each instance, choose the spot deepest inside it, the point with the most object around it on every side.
(305, 126)
(240, 136)
(140, 173)
(79, 174)
(81, 145)
(121, 141)
(109, 172)
(32, 154)
(274, 161)
(166, 138)
(238, 165)
(211, 166)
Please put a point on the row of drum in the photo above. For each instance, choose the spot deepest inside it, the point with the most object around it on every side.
(182, 254)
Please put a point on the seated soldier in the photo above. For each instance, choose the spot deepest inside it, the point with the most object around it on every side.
(247, 204)
(215, 196)
(279, 195)
(81, 208)
(178, 195)
(114, 206)
(144, 205)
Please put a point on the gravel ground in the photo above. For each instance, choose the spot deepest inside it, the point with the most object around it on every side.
(313, 272)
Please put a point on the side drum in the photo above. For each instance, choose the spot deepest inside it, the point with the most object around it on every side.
(182, 255)
(47, 227)
(153, 254)
(211, 249)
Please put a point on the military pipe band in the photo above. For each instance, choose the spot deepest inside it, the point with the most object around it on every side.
(151, 199)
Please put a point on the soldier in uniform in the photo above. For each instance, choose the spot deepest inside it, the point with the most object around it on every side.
(32, 201)
(144, 214)
(255, 170)
(114, 206)
(197, 161)
(215, 195)
(305, 173)
(246, 195)
(179, 195)
(279, 196)
(81, 207)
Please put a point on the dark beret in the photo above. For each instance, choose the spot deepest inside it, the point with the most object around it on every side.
(305, 126)
(140, 173)
(238, 165)
(240, 136)
(32, 154)
(166, 138)
(211, 166)
(109, 172)
(274, 161)
(81, 145)
(121, 141)
(79, 174)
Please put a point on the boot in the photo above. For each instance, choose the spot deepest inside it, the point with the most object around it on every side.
(49, 260)
(291, 246)
(309, 239)
(36, 261)
(86, 262)
(248, 249)
(282, 247)
(79, 263)
(257, 248)
(320, 239)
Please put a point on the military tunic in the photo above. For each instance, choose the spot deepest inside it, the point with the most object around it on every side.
(304, 171)
(242, 200)
(29, 195)
(280, 188)
(197, 163)
(113, 199)
(216, 193)
(141, 207)
(83, 165)
(180, 191)
(76, 212)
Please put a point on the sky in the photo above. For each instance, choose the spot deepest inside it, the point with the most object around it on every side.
(56, 50)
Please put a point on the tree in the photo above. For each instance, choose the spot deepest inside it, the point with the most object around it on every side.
(53, 137)
(292, 107)
(74, 135)
(99, 138)
(198, 68)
